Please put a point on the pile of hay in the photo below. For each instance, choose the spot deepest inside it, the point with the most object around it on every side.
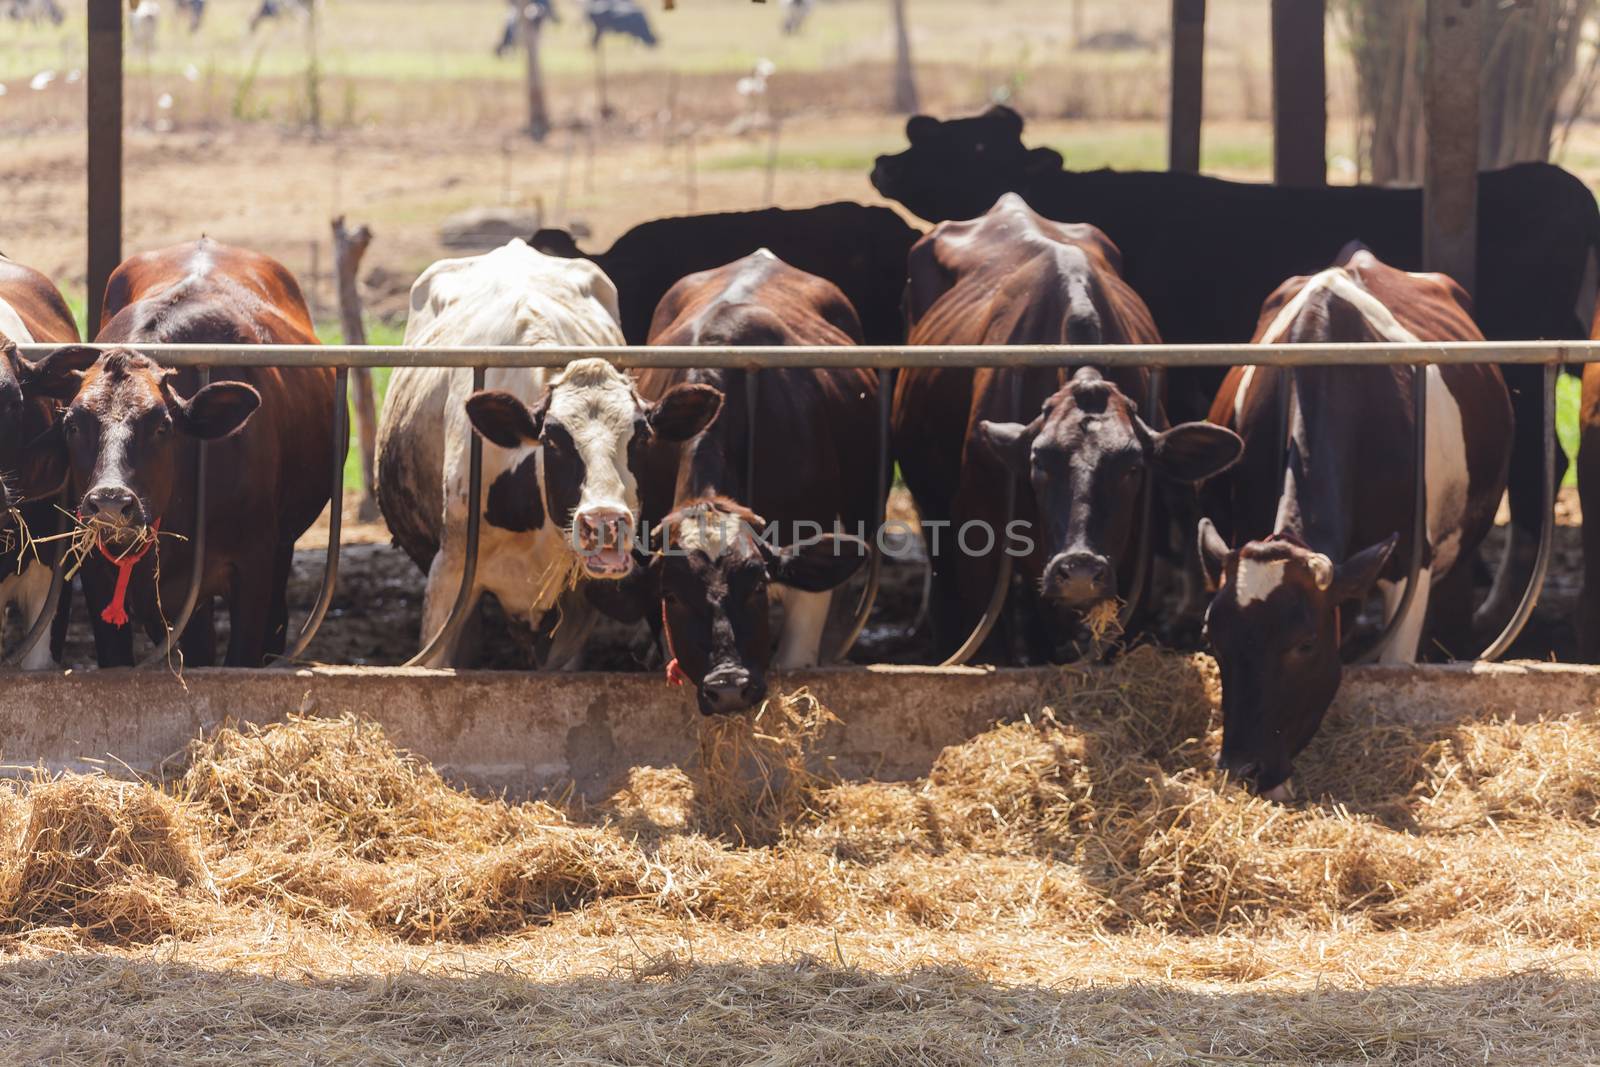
(1094, 816)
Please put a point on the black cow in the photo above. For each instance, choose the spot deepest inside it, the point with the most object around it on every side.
(624, 18)
(1538, 231)
(860, 249)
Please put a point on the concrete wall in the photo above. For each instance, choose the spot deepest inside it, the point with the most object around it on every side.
(525, 732)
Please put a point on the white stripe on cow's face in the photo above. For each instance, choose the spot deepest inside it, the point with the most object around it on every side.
(708, 530)
(596, 404)
(1255, 580)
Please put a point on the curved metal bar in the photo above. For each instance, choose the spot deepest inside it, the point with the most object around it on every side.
(1002, 580)
(1419, 512)
(41, 625)
(330, 570)
(869, 592)
(197, 546)
(1541, 563)
(469, 571)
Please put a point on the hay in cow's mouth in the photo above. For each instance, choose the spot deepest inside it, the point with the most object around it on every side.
(84, 536)
(16, 537)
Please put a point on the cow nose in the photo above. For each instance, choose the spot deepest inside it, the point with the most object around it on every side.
(727, 691)
(115, 504)
(1239, 768)
(604, 541)
(1079, 577)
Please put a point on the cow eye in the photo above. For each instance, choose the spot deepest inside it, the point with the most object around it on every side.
(1306, 647)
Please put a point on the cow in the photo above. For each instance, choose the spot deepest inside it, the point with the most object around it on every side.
(729, 542)
(1340, 518)
(133, 432)
(1589, 498)
(36, 11)
(561, 503)
(33, 458)
(860, 249)
(1538, 228)
(624, 18)
(1074, 439)
(511, 30)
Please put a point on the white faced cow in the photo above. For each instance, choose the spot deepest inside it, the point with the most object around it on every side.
(561, 501)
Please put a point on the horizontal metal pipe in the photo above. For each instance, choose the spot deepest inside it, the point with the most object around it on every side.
(871, 356)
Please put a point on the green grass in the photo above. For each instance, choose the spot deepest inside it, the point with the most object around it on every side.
(1568, 391)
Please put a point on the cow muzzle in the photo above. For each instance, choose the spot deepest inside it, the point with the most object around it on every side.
(1079, 579)
(604, 540)
(730, 690)
(113, 507)
(1268, 783)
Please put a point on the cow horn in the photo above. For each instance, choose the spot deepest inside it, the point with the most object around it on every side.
(1321, 570)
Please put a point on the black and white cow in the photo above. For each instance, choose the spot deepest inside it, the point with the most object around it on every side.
(562, 501)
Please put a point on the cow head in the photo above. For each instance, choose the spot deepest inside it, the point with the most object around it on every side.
(593, 429)
(33, 461)
(956, 169)
(1086, 458)
(1274, 628)
(714, 578)
(123, 431)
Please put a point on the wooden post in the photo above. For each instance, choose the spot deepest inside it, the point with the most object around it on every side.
(1186, 98)
(1299, 92)
(348, 248)
(104, 95)
(906, 101)
(1450, 107)
(538, 114)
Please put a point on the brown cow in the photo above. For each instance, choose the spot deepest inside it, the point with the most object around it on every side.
(1341, 518)
(133, 433)
(33, 460)
(1074, 440)
(816, 465)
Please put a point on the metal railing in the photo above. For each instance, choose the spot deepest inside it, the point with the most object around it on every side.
(1550, 354)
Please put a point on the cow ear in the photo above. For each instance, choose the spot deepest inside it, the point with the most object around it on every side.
(684, 411)
(920, 126)
(1005, 119)
(504, 420)
(216, 411)
(631, 598)
(1213, 554)
(1195, 451)
(817, 565)
(1353, 578)
(1006, 442)
(58, 374)
(1041, 161)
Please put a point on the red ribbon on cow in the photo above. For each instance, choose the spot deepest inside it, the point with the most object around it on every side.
(675, 675)
(116, 612)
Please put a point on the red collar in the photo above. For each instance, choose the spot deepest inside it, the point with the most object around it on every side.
(116, 612)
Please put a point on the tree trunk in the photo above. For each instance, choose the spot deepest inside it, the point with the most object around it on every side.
(348, 248)
(905, 82)
(538, 116)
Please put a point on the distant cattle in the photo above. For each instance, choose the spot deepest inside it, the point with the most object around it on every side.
(143, 22)
(621, 18)
(561, 499)
(1078, 442)
(133, 433)
(35, 11)
(1204, 253)
(511, 30)
(729, 542)
(795, 13)
(33, 458)
(271, 10)
(1340, 519)
(860, 249)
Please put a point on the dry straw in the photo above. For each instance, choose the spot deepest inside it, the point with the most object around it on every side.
(1092, 821)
